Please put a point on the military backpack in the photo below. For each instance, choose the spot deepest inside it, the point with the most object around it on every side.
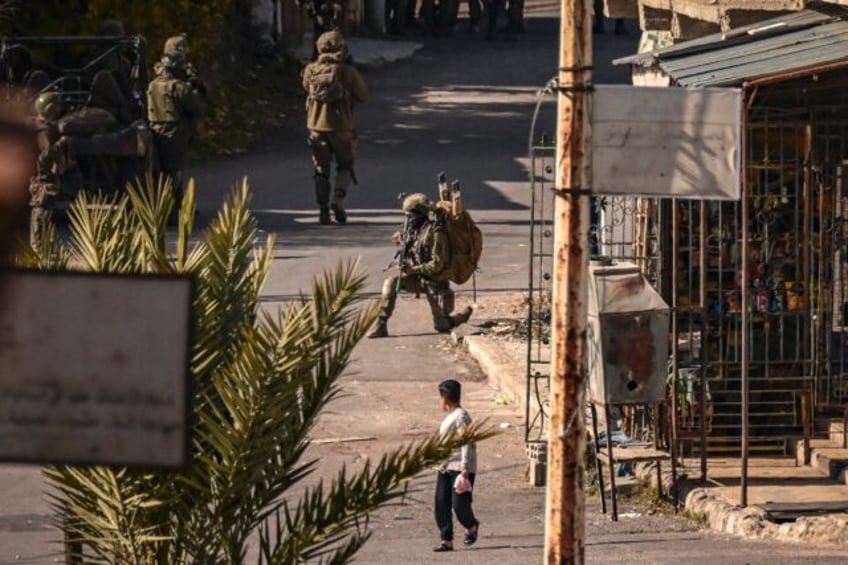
(325, 82)
(464, 237)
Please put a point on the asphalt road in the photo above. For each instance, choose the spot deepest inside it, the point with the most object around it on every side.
(464, 106)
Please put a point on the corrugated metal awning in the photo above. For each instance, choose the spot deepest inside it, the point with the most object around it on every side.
(802, 40)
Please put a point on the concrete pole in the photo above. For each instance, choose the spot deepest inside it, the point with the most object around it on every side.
(565, 508)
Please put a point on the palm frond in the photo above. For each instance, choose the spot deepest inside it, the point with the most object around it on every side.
(268, 398)
(185, 226)
(152, 202)
(102, 507)
(230, 278)
(51, 253)
(99, 234)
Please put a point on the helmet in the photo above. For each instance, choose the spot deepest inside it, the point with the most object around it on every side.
(49, 105)
(111, 27)
(177, 44)
(330, 42)
(417, 204)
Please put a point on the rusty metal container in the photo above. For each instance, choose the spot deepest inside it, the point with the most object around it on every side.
(628, 336)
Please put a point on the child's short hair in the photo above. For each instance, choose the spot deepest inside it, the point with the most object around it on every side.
(451, 390)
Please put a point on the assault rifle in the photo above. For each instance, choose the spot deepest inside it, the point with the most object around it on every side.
(404, 247)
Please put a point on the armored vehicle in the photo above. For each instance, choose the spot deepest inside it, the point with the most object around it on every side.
(101, 83)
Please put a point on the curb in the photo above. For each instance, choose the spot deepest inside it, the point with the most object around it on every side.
(504, 374)
(752, 523)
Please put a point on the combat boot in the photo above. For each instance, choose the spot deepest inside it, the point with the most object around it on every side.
(324, 216)
(339, 211)
(462, 317)
(337, 204)
(380, 329)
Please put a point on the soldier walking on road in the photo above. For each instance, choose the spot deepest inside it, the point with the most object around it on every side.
(332, 86)
(176, 100)
(425, 268)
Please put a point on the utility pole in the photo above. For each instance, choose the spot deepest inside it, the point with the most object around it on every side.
(565, 508)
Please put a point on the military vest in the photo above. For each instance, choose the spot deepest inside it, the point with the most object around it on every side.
(161, 100)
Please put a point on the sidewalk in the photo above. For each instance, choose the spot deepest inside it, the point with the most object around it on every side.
(773, 483)
(367, 52)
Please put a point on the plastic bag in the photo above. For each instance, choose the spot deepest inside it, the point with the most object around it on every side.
(462, 484)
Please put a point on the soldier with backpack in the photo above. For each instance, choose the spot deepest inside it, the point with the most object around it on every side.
(176, 101)
(440, 244)
(332, 86)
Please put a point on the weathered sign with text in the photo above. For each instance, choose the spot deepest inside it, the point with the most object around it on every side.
(94, 369)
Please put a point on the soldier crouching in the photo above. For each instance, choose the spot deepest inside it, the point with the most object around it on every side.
(425, 268)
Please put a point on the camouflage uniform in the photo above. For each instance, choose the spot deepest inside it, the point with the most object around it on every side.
(44, 186)
(331, 126)
(176, 100)
(425, 270)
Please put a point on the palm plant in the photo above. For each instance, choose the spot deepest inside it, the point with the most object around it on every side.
(259, 382)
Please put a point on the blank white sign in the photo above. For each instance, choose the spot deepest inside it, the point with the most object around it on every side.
(94, 369)
(667, 142)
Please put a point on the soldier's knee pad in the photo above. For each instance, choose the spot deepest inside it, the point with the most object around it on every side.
(390, 287)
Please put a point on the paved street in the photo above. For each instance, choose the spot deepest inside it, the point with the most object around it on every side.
(461, 105)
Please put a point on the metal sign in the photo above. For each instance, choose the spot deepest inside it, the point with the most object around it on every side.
(667, 142)
(628, 336)
(94, 369)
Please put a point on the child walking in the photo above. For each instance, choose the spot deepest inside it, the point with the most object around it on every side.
(458, 471)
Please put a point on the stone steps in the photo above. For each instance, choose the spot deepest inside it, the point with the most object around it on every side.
(828, 454)
(836, 432)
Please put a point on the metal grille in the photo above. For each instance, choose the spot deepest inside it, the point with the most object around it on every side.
(542, 171)
(796, 271)
(622, 228)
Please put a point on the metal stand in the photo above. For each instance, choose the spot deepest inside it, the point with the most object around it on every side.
(598, 465)
(624, 454)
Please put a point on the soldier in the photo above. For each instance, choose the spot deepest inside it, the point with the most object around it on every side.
(424, 268)
(176, 100)
(333, 87)
(44, 186)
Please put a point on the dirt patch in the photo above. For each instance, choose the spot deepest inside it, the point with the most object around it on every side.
(503, 316)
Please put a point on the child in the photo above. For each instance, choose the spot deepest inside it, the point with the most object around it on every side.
(462, 462)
